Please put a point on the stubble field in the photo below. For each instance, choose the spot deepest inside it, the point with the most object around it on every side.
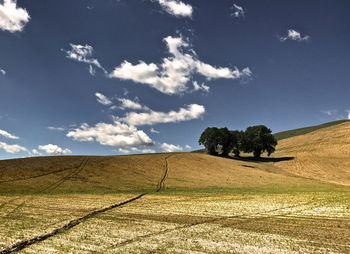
(177, 203)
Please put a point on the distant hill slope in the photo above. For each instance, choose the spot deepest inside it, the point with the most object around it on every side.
(140, 173)
(305, 130)
(323, 154)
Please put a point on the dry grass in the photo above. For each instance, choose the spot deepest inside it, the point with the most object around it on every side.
(209, 204)
(323, 155)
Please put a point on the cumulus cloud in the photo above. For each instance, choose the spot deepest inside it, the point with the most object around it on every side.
(12, 18)
(238, 11)
(170, 148)
(129, 104)
(84, 54)
(54, 149)
(188, 147)
(176, 8)
(2, 71)
(175, 71)
(12, 148)
(191, 112)
(51, 128)
(154, 131)
(7, 135)
(36, 152)
(116, 134)
(294, 36)
(103, 99)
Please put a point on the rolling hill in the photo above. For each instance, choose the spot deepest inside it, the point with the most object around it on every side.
(295, 202)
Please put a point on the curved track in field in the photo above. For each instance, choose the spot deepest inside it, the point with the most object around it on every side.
(25, 243)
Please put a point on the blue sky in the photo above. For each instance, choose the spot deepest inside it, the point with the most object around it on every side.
(136, 76)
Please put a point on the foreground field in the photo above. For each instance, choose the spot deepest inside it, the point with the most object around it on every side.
(296, 202)
(179, 222)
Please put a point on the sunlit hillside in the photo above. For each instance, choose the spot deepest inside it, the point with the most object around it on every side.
(323, 154)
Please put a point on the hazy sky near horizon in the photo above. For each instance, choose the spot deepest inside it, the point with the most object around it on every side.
(136, 76)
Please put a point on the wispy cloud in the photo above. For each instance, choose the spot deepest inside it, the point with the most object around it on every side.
(130, 104)
(2, 71)
(12, 18)
(154, 131)
(173, 74)
(7, 135)
(84, 54)
(102, 99)
(238, 11)
(330, 112)
(176, 8)
(52, 128)
(294, 36)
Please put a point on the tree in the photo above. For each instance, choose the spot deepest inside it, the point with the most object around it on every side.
(235, 144)
(210, 138)
(258, 139)
(225, 141)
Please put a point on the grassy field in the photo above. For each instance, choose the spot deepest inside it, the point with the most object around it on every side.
(305, 130)
(296, 202)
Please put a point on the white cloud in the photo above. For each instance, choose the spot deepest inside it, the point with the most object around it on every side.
(7, 135)
(2, 71)
(54, 149)
(172, 75)
(148, 151)
(51, 128)
(92, 70)
(129, 104)
(202, 87)
(191, 112)
(84, 54)
(154, 131)
(121, 150)
(170, 148)
(238, 11)
(176, 8)
(12, 18)
(116, 134)
(12, 148)
(294, 36)
(103, 99)
(188, 147)
(36, 152)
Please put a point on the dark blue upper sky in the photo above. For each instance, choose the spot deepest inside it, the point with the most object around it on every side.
(111, 77)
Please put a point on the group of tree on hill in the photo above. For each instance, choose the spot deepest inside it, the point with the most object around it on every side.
(255, 139)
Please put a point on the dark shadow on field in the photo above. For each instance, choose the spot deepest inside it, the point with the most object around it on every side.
(263, 159)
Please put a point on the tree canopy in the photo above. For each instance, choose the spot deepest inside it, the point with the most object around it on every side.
(255, 139)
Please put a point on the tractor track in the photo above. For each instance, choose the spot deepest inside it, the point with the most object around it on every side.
(46, 188)
(243, 216)
(25, 243)
(45, 174)
(52, 186)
